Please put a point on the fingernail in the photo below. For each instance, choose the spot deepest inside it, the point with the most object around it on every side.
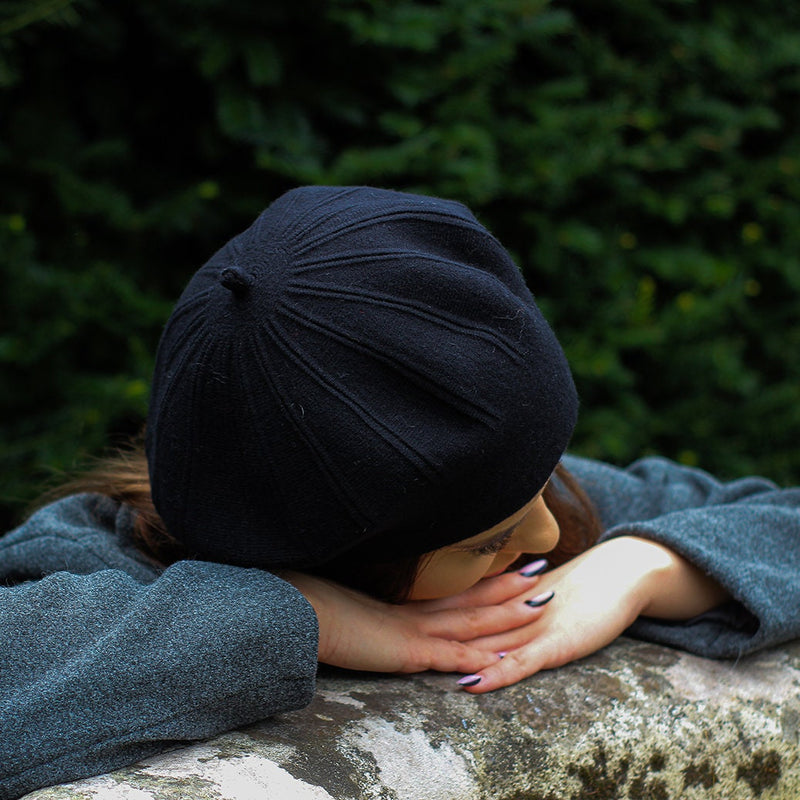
(503, 654)
(470, 680)
(540, 599)
(534, 568)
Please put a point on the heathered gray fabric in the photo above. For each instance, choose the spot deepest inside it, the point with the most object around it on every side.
(106, 659)
(746, 533)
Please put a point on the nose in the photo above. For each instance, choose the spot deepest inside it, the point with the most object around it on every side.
(538, 532)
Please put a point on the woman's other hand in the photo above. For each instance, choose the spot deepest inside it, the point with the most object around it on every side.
(596, 597)
(358, 632)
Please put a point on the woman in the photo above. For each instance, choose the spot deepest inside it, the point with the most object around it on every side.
(357, 393)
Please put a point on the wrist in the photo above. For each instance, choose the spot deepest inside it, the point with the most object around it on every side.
(670, 586)
(646, 566)
(308, 587)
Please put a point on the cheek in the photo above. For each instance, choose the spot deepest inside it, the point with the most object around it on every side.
(449, 573)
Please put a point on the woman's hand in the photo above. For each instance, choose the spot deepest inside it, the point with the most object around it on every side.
(358, 632)
(597, 596)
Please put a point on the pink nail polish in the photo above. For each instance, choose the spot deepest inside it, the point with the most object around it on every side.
(503, 654)
(470, 680)
(534, 568)
(540, 599)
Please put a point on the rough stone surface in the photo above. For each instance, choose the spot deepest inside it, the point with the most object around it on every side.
(633, 722)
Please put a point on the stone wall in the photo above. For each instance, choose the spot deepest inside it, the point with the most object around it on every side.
(633, 722)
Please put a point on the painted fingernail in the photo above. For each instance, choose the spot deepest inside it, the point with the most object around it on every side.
(540, 599)
(470, 680)
(503, 654)
(534, 568)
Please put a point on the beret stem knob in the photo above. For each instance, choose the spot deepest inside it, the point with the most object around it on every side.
(236, 280)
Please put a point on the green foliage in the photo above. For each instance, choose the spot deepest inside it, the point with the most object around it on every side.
(641, 161)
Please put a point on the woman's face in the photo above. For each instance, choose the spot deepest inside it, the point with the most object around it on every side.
(452, 569)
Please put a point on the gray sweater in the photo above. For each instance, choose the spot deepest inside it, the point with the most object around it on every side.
(108, 658)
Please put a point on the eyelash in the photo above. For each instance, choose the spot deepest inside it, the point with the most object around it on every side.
(491, 549)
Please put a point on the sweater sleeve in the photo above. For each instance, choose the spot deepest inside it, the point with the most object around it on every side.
(744, 533)
(102, 668)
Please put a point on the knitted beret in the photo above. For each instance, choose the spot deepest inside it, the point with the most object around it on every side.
(361, 369)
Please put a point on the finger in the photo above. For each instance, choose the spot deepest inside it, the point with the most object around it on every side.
(511, 638)
(447, 656)
(489, 591)
(506, 641)
(522, 663)
(475, 624)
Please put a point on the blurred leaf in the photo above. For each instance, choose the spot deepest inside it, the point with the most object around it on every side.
(639, 160)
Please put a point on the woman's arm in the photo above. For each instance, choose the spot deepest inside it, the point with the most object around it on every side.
(101, 670)
(743, 534)
(358, 632)
(672, 587)
(597, 596)
(107, 659)
(688, 561)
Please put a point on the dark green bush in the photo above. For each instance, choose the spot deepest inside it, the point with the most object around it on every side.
(641, 161)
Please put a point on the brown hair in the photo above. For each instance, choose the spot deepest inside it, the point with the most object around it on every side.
(123, 476)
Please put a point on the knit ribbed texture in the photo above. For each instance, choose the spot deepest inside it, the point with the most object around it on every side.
(359, 367)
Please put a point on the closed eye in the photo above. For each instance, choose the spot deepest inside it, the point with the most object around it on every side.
(490, 548)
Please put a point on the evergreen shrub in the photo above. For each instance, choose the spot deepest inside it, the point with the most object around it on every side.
(640, 160)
